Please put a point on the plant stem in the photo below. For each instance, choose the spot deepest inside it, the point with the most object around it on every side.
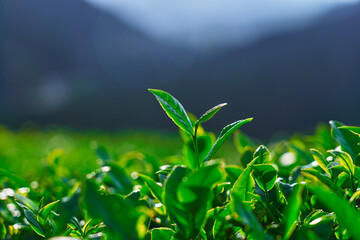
(196, 152)
(194, 138)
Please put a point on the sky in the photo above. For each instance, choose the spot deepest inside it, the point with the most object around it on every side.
(215, 23)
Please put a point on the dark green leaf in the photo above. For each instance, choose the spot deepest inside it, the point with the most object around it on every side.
(162, 233)
(31, 218)
(355, 130)
(187, 197)
(174, 110)
(120, 179)
(246, 217)
(225, 133)
(265, 175)
(343, 210)
(347, 139)
(117, 213)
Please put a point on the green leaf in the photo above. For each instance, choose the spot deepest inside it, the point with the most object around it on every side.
(120, 179)
(345, 160)
(265, 175)
(154, 187)
(45, 211)
(233, 173)
(346, 138)
(101, 152)
(174, 110)
(63, 238)
(263, 154)
(118, 214)
(225, 133)
(162, 233)
(355, 130)
(31, 218)
(292, 211)
(187, 197)
(75, 222)
(316, 176)
(247, 217)
(210, 113)
(346, 214)
(244, 185)
(320, 159)
(205, 177)
(241, 141)
(2, 230)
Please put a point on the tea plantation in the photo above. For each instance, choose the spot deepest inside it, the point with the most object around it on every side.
(63, 184)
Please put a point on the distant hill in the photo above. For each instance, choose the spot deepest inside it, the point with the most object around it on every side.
(66, 62)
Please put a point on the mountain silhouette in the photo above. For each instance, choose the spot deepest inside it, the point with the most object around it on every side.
(69, 63)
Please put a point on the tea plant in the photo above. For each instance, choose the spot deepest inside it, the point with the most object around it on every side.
(304, 188)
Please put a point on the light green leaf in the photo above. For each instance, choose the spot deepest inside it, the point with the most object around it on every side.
(155, 188)
(245, 184)
(2, 230)
(345, 160)
(263, 154)
(292, 211)
(225, 133)
(45, 211)
(210, 113)
(320, 159)
(174, 110)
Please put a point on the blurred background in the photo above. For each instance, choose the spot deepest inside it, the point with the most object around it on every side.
(87, 64)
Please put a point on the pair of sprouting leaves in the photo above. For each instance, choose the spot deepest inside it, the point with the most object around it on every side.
(177, 113)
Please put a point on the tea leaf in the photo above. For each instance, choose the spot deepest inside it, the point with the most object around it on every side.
(210, 113)
(162, 233)
(345, 160)
(346, 214)
(225, 133)
(263, 154)
(174, 110)
(320, 159)
(265, 175)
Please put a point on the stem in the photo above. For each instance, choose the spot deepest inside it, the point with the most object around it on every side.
(194, 138)
(196, 152)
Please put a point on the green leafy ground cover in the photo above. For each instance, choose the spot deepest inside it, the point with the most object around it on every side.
(59, 184)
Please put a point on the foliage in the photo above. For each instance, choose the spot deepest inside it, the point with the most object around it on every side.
(302, 188)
